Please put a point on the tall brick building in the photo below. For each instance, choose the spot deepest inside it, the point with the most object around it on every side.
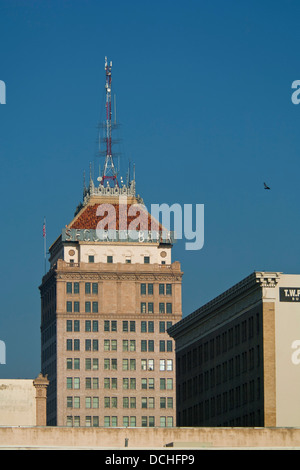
(107, 301)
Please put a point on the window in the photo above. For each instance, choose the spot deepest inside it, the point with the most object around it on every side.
(69, 402)
(87, 307)
(169, 384)
(161, 289)
(169, 307)
(161, 307)
(76, 383)
(95, 307)
(69, 363)
(110, 259)
(150, 307)
(125, 421)
(114, 421)
(95, 325)
(91, 259)
(69, 288)
(76, 287)
(144, 421)
(69, 306)
(95, 288)
(162, 402)
(146, 259)
(150, 289)
(88, 325)
(88, 402)
(143, 307)
(76, 307)
(144, 384)
(143, 289)
(95, 402)
(144, 402)
(69, 325)
(169, 289)
(87, 287)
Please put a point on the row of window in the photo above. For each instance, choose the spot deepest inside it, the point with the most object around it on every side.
(127, 364)
(128, 383)
(110, 259)
(92, 288)
(112, 402)
(163, 289)
(222, 343)
(111, 345)
(89, 287)
(228, 370)
(112, 421)
(200, 414)
(111, 325)
(93, 307)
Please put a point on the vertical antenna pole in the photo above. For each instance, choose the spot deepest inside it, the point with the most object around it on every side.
(109, 170)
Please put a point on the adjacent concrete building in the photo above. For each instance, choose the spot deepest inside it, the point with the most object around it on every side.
(238, 356)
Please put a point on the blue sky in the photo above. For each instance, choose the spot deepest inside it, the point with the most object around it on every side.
(204, 101)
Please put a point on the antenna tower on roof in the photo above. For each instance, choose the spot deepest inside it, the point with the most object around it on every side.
(109, 174)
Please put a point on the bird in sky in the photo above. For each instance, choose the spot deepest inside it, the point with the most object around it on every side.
(266, 186)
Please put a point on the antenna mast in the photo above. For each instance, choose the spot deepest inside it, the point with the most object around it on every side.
(109, 170)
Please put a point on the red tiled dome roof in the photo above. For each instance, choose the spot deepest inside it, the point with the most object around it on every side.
(88, 218)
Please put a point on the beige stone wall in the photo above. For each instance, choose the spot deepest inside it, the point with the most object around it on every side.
(23, 401)
(17, 402)
(148, 438)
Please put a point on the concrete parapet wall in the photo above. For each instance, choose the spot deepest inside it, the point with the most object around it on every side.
(148, 438)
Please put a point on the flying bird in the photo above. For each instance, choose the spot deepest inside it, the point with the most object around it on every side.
(266, 186)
